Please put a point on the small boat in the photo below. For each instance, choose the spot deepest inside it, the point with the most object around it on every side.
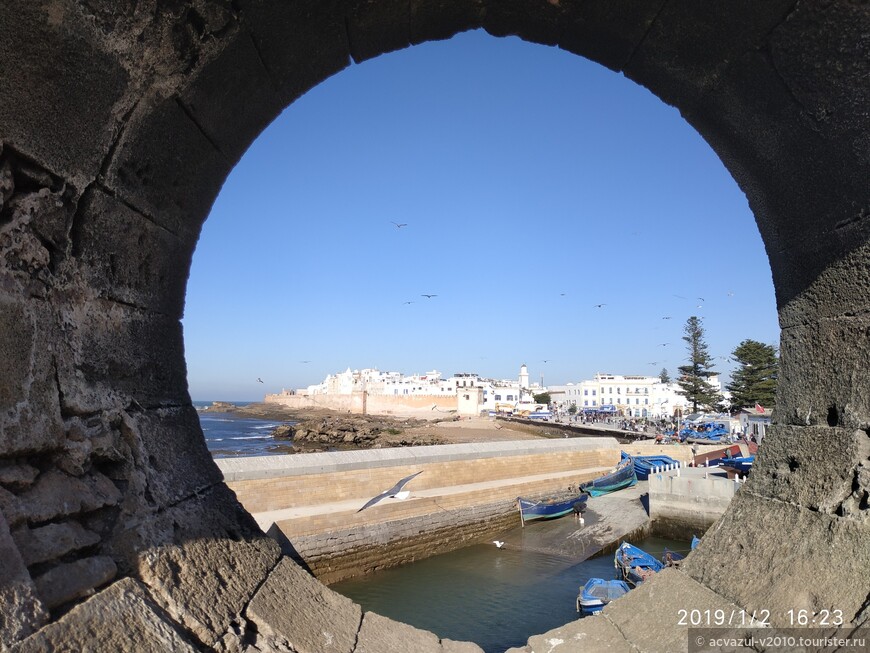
(548, 508)
(621, 477)
(643, 465)
(635, 565)
(597, 593)
(741, 464)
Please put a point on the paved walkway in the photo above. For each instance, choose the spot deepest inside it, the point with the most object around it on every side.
(266, 519)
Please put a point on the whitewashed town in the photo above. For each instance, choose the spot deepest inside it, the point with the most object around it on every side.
(632, 400)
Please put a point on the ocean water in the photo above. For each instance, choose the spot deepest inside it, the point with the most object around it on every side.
(228, 435)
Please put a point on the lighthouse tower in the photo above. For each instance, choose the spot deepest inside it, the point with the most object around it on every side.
(524, 377)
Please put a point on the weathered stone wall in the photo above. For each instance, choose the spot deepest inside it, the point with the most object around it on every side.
(114, 141)
(371, 404)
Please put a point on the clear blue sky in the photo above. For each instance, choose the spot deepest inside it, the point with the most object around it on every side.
(523, 172)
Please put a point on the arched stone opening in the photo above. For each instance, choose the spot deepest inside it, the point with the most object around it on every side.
(120, 121)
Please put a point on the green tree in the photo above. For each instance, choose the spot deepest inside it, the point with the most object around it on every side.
(572, 409)
(543, 398)
(693, 381)
(754, 382)
(664, 376)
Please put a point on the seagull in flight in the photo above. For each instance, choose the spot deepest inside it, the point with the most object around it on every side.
(667, 317)
(498, 543)
(653, 363)
(395, 491)
(547, 360)
(664, 344)
(428, 296)
(599, 305)
(304, 361)
(407, 302)
(399, 225)
(701, 299)
(259, 379)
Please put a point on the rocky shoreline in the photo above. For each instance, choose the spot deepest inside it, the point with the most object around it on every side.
(325, 430)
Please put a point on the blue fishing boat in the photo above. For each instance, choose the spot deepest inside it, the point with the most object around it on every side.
(548, 508)
(740, 464)
(634, 564)
(643, 465)
(621, 477)
(597, 593)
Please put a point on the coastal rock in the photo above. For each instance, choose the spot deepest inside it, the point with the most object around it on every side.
(283, 432)
(358, 432)
(18, 477)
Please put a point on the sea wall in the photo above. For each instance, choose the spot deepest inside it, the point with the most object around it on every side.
(310, 503)
(692, 501)
(367, 403)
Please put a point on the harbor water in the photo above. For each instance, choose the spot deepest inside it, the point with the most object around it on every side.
(495, 597)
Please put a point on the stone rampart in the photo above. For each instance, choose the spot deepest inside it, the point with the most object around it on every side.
(368, 403)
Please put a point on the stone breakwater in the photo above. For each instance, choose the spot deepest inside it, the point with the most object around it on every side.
(466, 492)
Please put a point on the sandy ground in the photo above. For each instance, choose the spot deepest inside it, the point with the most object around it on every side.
(472, 429)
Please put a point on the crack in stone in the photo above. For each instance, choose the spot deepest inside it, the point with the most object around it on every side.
(189, 113)
(135, 209)
(643, 38)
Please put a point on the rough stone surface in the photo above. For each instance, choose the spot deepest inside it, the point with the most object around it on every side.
(56, 494)
(769, 555)
(794, 468)
(329, 625)
(120, 618)
(52, 541)
(74, 579)
(382, 635)
(21, 610)
(597, 634)
(202, 560)
(17, 475)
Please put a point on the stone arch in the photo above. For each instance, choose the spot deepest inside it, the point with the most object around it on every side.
(119, 122)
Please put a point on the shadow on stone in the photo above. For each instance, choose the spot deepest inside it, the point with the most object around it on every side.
(287, 547)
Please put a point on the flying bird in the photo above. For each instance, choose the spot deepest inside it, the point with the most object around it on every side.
(547, 360)
(731, 293)
(399, 225)
(664, 344)
(667, 317)
(599, 305)
(428, 296)
(394, 491)
(259, 379)
(498, 543)
(653, 363)
(701, 299)
(304, 361)
(407, 302)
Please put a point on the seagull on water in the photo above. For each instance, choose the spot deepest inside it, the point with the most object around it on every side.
(395, 491)
(498, 543)
(399, 225)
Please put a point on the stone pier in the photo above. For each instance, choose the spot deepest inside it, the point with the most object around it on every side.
(466, 492)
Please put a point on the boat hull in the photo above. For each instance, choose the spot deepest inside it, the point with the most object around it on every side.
(623, 476)
(548, 508)
(643, 465)
(597, 593)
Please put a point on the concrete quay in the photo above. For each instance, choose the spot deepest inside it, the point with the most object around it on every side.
(467, 492)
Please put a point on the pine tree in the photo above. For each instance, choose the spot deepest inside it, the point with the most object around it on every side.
(664, 376)
(693, 377)
(754, 382)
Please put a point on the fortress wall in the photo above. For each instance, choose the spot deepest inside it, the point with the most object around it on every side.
(372, 404)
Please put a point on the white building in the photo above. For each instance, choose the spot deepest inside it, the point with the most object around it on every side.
(626, 395)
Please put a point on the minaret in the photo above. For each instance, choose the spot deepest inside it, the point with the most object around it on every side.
(524, 377)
